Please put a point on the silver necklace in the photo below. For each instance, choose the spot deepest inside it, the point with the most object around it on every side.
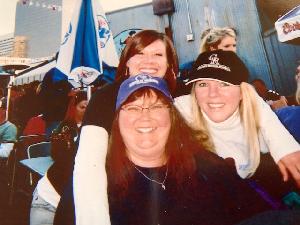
(155, 181)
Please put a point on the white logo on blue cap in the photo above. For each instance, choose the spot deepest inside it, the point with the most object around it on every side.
(143, 79)
(214, 63)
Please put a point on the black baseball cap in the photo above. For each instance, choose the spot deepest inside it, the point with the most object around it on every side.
(219, 65)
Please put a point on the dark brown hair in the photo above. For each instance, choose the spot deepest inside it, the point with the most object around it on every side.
(141, 40)
(180, 150)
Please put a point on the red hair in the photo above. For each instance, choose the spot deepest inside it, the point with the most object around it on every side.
(180, 150)
(140, 41)
(76, 97)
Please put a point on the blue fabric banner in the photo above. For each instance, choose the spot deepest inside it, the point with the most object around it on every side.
(87, 46)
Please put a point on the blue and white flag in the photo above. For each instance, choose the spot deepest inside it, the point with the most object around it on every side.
(88, 46)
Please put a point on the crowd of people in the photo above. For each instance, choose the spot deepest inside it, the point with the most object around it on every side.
(153, 149)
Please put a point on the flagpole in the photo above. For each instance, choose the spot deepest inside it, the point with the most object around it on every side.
(89, 92)
(11, 80)
(88, 45)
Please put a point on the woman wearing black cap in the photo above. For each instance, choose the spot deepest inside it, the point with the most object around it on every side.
(238, 124)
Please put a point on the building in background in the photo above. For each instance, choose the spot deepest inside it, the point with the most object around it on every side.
(20, 47)
(39, 22)
(6, 44)
(267, 58)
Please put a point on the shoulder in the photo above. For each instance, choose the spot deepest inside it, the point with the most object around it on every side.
(100, 110)
(184, 106)
(288, 111)
(182, 89)
(108, 90)
(66, 126)
(67, 123)
(8, 131)
(10, 125)
(183, 99)
(38, 118)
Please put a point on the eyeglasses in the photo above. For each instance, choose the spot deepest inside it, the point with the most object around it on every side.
(137, 110)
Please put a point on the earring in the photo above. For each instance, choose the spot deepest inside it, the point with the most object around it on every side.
(127, 71)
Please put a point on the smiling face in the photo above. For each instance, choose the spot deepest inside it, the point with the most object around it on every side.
(152, 60)
(218, 100)
(228, 43)
(145, 134)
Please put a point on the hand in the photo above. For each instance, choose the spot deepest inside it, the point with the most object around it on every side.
(282, 102)
(290, 164)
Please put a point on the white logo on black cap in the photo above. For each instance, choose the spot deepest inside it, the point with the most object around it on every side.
(214, 59)
(214, 63)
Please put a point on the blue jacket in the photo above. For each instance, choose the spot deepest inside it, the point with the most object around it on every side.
(290, 118)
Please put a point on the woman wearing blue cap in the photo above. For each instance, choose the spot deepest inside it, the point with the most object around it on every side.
(237, 123)
(157, 175)
(149, 52)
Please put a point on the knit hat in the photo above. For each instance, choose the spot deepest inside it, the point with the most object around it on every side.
(135, 83)
(219, 65)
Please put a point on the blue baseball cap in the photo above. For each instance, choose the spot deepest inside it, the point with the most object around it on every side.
(137, 82)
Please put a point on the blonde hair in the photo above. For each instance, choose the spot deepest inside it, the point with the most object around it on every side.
(250, 121)
(212, 37)
(298, 89)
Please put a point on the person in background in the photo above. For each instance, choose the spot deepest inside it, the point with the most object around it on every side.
(218, 38)
(8, 131)
(35, 126)
(155, 173)
(50, 187)
(237, 124)
(130, 35)
(271, 97)
(54, 100)
(212, 39)
(290, 116)
(26, 106)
